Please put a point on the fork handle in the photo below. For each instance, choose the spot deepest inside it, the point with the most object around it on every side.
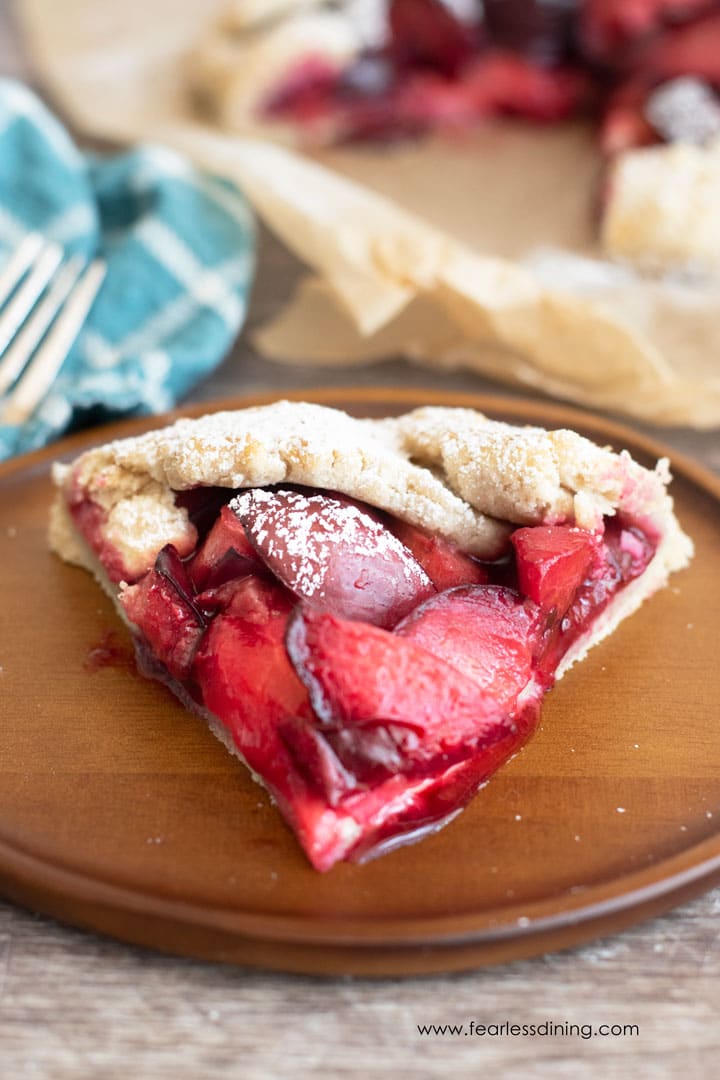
(42, 371)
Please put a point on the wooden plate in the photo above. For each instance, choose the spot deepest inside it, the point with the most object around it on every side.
(120, 812)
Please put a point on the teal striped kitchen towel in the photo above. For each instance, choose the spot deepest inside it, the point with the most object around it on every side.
(179, 246)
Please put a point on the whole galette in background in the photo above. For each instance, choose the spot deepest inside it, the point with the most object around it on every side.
(648, 74)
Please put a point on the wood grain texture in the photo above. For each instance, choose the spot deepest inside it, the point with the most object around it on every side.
(605, 817)
(73, 1005)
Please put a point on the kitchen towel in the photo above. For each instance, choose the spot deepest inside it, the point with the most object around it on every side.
(179, 246)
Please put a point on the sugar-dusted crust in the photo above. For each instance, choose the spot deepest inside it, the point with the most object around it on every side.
(287, 442)
(245, 57)
(452, 471)
(242, 15)
(438, 467)
(530, 476)
(663, 208)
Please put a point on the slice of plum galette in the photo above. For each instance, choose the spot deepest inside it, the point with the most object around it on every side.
(367, 612)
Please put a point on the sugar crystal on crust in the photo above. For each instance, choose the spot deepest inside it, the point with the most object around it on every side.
(450, 471)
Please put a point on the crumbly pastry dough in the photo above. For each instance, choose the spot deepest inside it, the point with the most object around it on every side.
(244, 14)
(528, 475)
(244, 58)
(664, 208)
(296, 443)
(452, 471)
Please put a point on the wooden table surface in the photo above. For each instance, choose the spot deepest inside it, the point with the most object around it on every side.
(76, 1005)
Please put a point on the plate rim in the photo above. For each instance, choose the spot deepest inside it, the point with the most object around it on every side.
(691, 873)
(580, 915)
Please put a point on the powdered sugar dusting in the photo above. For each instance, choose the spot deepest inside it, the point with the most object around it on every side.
(450, 471)
(521, 474)
(291, 443)
(333, 553)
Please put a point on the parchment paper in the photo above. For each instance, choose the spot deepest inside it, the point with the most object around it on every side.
(476, 251)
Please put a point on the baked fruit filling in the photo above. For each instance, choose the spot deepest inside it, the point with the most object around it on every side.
(437, 69)
(368, 612)
(649, 70)
(371, 674)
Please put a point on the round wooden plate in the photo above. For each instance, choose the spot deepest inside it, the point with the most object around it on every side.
(120, 812)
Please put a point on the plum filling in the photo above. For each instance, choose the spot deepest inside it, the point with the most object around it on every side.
(541, 60)
(373, 99)
(436, 68)
(372, 675)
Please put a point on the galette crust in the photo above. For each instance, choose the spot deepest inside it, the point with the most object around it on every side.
(451, 471)
(663, 209)
(287, 442)
(528, 475)
(243, 60)
(241, 15)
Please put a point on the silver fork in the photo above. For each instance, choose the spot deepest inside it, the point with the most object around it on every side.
(44, 301)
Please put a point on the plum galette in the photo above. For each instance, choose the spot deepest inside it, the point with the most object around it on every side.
(645, 72)
(367, 612)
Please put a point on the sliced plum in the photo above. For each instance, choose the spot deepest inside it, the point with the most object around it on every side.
(623, 553)
(386, 705)
(606, 27)
(231, 597)
(334, 554)
(443, 562)
(541, 29)
(669, 89)
(242, 664)
(489, 633)
(691, 49)
(160, 605)
(552, 563)
(248, 682)
(225, 554)
(426, 33)
(505, 83)
(399, 812)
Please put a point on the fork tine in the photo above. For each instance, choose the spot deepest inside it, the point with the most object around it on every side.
(39, 375)
(26, 296)
(23, 346)
(18, 263)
